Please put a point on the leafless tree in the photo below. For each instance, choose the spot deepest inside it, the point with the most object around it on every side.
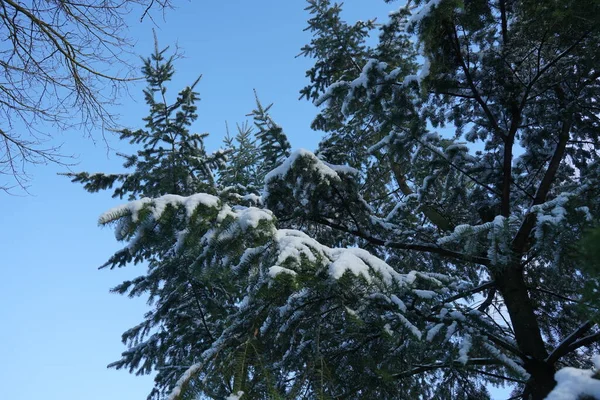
(62, 62)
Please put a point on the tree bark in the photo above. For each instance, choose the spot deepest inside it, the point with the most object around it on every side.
(511, 284)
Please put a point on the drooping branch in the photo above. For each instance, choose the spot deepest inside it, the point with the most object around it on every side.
(488, 300)
(63, 63)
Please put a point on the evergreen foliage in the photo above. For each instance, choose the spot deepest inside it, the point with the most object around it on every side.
(243, 161)
(272, 142)
(394, 262)
(172, 159)
(253, 152)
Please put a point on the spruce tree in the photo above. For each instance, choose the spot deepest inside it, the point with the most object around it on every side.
(172, 161)
(273, 144)
(253, 152)
(243, 160)
(425, 250)
(516, 80)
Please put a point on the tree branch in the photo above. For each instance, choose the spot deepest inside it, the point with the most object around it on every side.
(585, 341)
(563, 348)
(521, 238)
(430, 367)
(426, 248)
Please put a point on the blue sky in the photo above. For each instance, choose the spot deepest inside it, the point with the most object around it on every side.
(59, 326)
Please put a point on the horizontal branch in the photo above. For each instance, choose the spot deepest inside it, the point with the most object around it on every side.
(430, 367)
(480, 288)
(425, 248)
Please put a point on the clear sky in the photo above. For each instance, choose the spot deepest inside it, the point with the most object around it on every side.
(59, 326)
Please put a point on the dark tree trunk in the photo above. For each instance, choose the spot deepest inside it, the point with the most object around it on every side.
(511, 284)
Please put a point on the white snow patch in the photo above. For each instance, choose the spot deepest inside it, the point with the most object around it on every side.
(235, 396)
(398, 302)
(433, 332)
(361, 262)
(348, 262)
(423, 12)
(463, 352)
(158, 205)
(295, 244)
(323, 169)
(574, 383)
(250, 217)
(424, 294)
(276, 270)
(388, 329)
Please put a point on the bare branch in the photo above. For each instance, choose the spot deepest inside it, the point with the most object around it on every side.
(62, 64)
(563, 348)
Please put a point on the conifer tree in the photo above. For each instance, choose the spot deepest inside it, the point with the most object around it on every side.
(243, 161)
(172, 161)
(253, 152)
(430, 270)
(273, 144)
(518, 80)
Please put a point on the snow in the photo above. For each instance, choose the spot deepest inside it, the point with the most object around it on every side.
(586, 211)
(457, 315)
(276, 270)
(361, 262)
(133, 208)
(157, 206)
(388, 329)
(351, 312)
(462, 230)
(348, 262)
(235, 396)
(413, 329)
(574, 383)
(361, 81)
(253, 198)
(398, 302)
(423, 12)
(456, 147)
(425, 294)
(295, 244)
(510, 363)
(425, 68)
(408, 79)
(463, 352)
(193, 201)
(342, 169)
(324, 169)
(458, 232)
(451, 330)
(431, 334)
(383, 142)
(185, 378)
(250, 217)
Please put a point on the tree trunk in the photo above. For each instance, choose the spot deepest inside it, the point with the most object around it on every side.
(511, 285)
